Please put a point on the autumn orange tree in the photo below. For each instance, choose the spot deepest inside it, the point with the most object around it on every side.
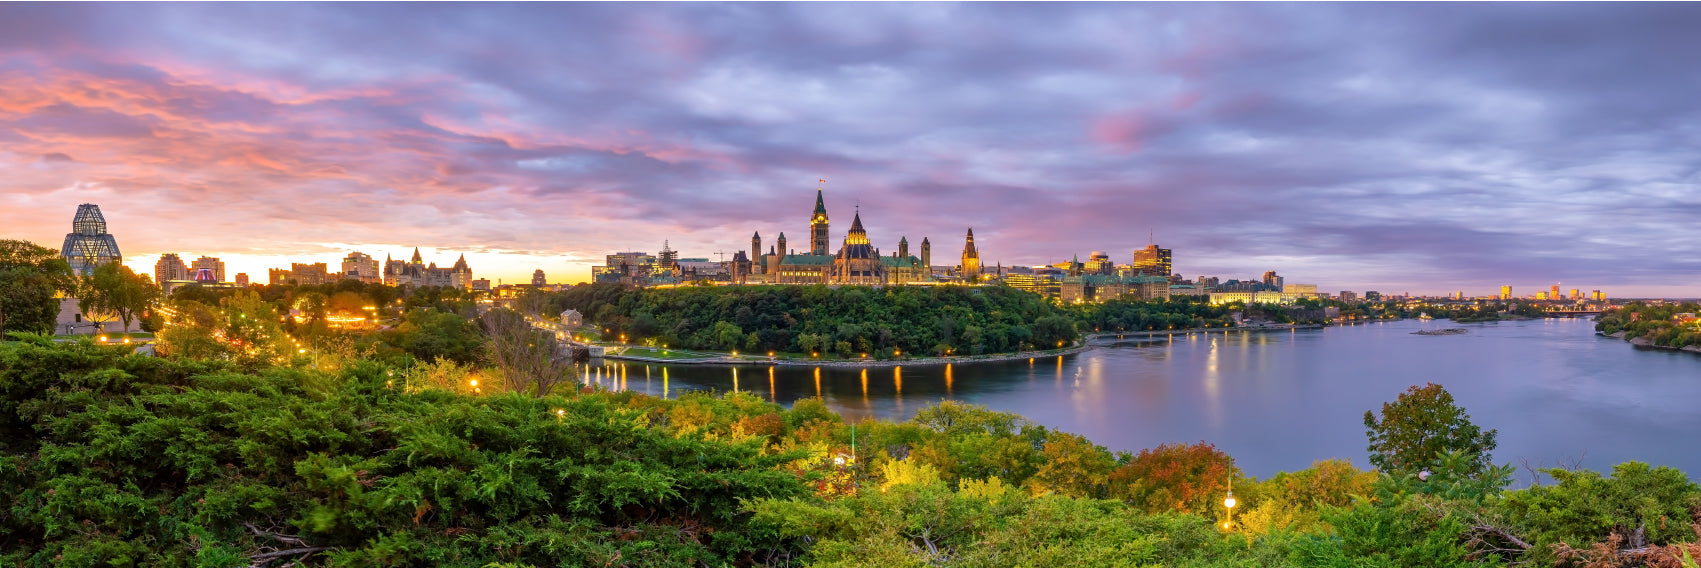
(1189, 478)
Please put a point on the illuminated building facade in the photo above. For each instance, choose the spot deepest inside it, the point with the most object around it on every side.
(208, 263)
(1152, 261)
(970, 267)
(302, 275)
(857, 261)
(1099, 288)
(416, 273)
(169, 268)
(88, 244)
(1098, 263)
(1505, 292)
(818, 225)
(359, 266)
(538, 280)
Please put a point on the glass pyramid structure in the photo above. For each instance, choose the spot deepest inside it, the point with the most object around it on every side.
(88, 245)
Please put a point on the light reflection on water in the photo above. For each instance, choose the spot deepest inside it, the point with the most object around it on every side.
(1277, 401)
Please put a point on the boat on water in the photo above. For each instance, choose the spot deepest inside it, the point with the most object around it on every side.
(1425, 316)
(1449, 331)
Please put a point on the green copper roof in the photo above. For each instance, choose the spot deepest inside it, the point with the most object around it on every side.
(806, 260)
(820, 206)
(900, 261)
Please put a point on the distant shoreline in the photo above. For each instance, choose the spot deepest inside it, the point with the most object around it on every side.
(920, 361)
(1645, 342)
(1083, 346)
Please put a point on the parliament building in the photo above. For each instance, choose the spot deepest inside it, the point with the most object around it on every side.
(856, 262)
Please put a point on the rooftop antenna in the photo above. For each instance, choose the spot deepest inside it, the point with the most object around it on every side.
(1151, 236)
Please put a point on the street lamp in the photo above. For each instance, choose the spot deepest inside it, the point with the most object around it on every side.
(1229, 503)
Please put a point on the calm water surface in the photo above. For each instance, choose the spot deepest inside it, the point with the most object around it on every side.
(1277, 401)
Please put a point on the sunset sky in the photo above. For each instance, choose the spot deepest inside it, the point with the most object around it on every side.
(1422, 148)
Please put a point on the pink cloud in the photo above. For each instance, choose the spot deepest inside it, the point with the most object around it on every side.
(1120, 132)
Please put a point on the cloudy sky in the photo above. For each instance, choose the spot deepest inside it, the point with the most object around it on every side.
(1401, 147)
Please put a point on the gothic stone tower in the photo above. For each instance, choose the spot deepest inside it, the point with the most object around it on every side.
(903, 247)
(926, 255)
(818, 226)
(756, 250)
(971, 257)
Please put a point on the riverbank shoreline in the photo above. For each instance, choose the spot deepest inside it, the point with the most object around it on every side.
(1163, 332)
(1083, 346)
(1645, 342)
(870, 364)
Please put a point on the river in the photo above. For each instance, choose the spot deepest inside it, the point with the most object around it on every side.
(1557, 393)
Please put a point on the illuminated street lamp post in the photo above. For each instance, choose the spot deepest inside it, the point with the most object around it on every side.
(1229, 503)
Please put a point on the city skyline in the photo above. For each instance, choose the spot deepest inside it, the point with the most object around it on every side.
(1399, 148)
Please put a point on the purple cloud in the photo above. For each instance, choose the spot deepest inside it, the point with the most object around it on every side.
(1402, 147)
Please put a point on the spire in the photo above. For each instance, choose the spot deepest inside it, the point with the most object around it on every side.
(756, 235)
(857, 235)
(903, 240)
(416, 258)
(820, 204)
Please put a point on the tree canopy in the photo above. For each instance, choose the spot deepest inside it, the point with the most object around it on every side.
(1421, 425)
(31, 276)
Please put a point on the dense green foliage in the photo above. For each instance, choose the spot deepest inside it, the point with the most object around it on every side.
(115, 289)
(851, 320)
(130, 460)
(1420, 425)
(108, 458)
(1654, 322)
(845, 321)
(1181, 312)
(30, 276)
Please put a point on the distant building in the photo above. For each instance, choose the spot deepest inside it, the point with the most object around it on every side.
(1372, 295)
(1046, 281)
(1505, 292)
(301, 275)
(1553, 293)
(416, 273)
(358, 266)
(1272, 280)
(209, 263)
(169, 268)
(88, 245)
(1099, 263)
(634, 268)
(537, 279)
(971, 258)
(1257, 297)
(856, 262)
(242, 279)
(572, 318)
(482, 284)
(1152, 261)
(1597, 296)
(1099, 288)
(1303, 290)
(1348, 295)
